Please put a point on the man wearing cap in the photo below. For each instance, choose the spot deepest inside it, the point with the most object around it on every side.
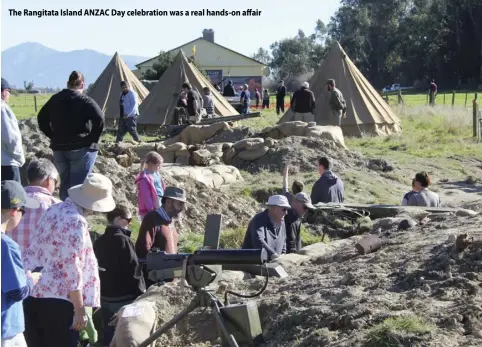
(300, 204)
(13, 157)
(303, 104)
(194, 103)
(337, 103)
(16, 283)
(129, 110)
(267, 229)
(245, 100)
(56, 311)
(157, 229)
(42, 177)
(280, 97)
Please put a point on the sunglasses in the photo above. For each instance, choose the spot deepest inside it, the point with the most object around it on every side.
(126, 219)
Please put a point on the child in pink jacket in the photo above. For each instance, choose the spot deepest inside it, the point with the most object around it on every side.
(150, 185)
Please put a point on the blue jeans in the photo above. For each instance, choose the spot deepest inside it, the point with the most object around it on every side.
(109, 309)
(73, 167)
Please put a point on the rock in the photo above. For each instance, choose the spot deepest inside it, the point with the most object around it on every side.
(248, 144)
(347, 279)
(406, 224)
(452, 238)
(471, 180)
(387, 223)
(288, 261)
(466, 213)
(124, 160)
(197, 134)
(269, 142)
(182, 157)
(417, 214)
(229, 155)
(251, 155)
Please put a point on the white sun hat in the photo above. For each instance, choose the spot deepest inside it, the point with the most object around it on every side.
(278, 200)
(306, 85)
(94, 194)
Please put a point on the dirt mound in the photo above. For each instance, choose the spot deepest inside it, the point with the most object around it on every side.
(303, 153)
(205, 200)
(417, 290)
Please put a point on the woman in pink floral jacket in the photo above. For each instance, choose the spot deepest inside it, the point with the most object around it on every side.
(55, 311)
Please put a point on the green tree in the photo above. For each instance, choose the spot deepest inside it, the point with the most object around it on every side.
(164, 60)
(28, 86)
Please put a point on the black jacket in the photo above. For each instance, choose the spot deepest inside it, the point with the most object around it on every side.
(281, 93)
(328, 188)
(303, 101)
(71, 120)
(115, 253)
(229, 90)
(261, 233)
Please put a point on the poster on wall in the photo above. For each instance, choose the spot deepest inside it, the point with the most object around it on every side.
(253, 82)
(215, 76)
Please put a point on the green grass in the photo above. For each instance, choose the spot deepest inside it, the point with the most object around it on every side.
(443, 98)
(393, 331)
(23, 105)
(427, 132)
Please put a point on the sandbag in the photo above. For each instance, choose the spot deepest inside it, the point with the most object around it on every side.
(229, 155)
(168, 156)
(136, 322)
(201, 157)
(253, 155)
(227, 145)
(296, 128)
(178, 146)
(329, 132)
(182, 157)
(124, 160)
(196, 134)
(247, 144)
(218, 180)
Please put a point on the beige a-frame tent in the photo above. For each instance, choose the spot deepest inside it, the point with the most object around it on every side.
(106, 90)
(158, 108)
(367, 112)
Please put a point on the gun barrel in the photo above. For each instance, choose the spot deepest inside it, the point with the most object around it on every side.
(229, 256)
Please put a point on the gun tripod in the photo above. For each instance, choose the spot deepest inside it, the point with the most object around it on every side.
(203, 299)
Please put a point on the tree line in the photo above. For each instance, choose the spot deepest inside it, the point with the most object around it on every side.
(392, 41)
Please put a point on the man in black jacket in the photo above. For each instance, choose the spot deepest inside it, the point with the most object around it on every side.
(118, 261)
(229, 89)
(74, 123)
(303, 104)
(280, 97)
(328, 188)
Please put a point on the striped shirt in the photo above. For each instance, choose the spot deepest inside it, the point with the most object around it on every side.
(27, 227)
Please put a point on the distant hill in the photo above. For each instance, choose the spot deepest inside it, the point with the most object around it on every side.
(47, 67)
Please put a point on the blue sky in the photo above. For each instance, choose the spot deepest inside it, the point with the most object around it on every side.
(145, 36)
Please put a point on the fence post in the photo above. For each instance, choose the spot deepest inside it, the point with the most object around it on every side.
(400, 99)
(35, 102)
(474, 109)
(466, 96)
(444, 98)
(453, 98)
(428, 97)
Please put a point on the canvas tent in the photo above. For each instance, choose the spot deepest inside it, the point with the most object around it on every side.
(367, 112)
(106, 89)
(158, 108)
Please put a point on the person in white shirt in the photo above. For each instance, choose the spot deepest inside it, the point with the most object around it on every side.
(13, 156)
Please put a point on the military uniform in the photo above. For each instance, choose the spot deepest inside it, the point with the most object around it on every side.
(337, 105)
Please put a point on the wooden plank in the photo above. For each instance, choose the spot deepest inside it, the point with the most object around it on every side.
(382, 211)
(212, 231)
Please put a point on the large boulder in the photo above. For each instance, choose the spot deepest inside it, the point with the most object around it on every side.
(252, 155)
(213, 176)
(329, 132)
(249, 144)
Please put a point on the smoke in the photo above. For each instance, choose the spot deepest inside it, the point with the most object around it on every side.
(295, 82)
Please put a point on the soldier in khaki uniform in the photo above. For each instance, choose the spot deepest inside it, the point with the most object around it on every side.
(337, 103)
